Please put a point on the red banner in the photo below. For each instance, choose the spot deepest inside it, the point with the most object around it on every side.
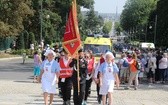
(71, 40)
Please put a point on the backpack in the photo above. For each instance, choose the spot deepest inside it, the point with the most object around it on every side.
(125, 63)
(138, 65)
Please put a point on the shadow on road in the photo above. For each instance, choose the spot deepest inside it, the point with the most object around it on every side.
(23, 81)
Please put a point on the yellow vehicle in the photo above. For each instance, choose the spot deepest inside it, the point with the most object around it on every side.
(98, 44)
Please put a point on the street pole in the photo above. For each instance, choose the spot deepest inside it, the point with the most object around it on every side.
(41, 18)
(155, 29)
(146, 32)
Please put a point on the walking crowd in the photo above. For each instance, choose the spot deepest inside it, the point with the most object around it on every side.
(151, 65)
(55, 66)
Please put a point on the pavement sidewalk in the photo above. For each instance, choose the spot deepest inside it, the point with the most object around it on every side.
(24, 92)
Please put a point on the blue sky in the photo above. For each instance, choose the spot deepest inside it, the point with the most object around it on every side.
(109, 6)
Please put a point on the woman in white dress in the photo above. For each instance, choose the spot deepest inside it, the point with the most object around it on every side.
(108, 77)
(49, 76)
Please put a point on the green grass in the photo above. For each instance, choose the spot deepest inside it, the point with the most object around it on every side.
(4, 55)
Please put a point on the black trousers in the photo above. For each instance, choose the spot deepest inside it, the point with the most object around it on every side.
(78, 98)
(66, 89)
(157, 75)
(162, 74)
(59, 87)
(98, 89)
(87, 89)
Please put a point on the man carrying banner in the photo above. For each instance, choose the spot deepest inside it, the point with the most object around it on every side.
(78, 93)
(71, 44)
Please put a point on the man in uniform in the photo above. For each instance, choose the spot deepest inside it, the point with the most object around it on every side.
(78, 97)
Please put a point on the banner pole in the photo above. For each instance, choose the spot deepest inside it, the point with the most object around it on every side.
(78, 74)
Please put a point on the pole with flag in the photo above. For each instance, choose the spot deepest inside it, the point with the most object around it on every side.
(71, 40)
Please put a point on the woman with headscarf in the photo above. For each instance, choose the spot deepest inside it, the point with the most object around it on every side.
(49, 75)
(108, 77)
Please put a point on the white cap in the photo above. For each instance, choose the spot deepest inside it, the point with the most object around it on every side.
(109, 53)
(48, 52)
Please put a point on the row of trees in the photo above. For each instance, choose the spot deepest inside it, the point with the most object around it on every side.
(23, 19)
(135, 18)
(147, 19)
(107, 27)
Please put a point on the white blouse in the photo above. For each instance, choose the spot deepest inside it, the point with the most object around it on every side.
(163, 63)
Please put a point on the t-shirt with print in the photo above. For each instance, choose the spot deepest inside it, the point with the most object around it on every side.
(108, 68)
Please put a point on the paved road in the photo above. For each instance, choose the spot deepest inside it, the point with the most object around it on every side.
(16, 88)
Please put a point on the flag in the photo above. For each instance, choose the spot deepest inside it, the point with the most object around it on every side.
(71, 39)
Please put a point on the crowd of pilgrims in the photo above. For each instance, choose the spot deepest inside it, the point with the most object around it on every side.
(55, 66)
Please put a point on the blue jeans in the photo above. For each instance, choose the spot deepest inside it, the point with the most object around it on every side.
(166, 74)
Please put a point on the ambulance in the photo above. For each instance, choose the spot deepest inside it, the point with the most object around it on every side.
(98, 44)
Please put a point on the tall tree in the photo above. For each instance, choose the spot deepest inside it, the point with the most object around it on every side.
(136, 13)
(118, 28)
(162, 23)
(93, 22)
(12, 15)
(107, 27)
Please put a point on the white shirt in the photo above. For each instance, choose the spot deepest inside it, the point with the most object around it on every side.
(163, 63)
(152, 63)
(108, 71)
(65, 61)
(96, 70)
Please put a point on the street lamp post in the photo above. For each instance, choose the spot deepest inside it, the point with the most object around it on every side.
(47, 17)
(41, 20)
(155, 29)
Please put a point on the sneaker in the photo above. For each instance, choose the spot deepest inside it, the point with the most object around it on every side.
(64, 103)
(135, 88)
(127, 88)
(60, 95)
(99, 100)
(84, 103)
(68, 102)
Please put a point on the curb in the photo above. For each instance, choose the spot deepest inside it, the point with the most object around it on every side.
(1, 59)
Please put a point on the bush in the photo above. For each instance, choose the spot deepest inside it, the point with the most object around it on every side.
(19, 52)
(20, 42)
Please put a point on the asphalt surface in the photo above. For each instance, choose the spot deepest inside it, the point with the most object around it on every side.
(14, 69)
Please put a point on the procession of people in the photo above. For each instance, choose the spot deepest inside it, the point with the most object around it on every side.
(79, 72)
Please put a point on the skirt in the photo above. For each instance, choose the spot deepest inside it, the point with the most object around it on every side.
(106, 88)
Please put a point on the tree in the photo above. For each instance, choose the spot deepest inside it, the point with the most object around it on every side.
(107, 27)
(31, 38)
(18, 16)
(20, 42)
(26, 40)
(136, 13)
(118, 28)
(12, 15)
(162, 23)
(93, 22)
